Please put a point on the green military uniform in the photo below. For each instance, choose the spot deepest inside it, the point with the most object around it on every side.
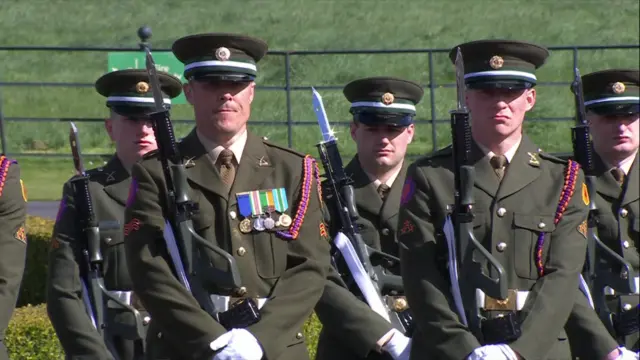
(127, 94)
(350, 328)
(615, 93)
(284, 265)
(13, 241)
(530, 221)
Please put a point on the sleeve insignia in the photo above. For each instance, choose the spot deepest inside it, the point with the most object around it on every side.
(582, 228)
(407, 227)
(585, 194)
(323, 230)
(24, 190)
(131, 226)
(21, 234)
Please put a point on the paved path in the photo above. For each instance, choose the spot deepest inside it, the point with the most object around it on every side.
(45, 209)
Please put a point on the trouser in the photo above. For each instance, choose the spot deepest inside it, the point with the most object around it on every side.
(4, 355)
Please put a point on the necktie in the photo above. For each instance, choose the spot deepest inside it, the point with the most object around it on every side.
(227, 168)
(618, 174)
(383, 190)
(498, 163)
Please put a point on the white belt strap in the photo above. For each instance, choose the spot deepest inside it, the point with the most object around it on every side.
(521, 298)
(123, 296)
(221, 303)
(610, 291)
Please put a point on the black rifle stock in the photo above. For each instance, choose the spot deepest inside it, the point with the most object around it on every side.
(471, 276)
(180, 210)
(601, 260)
(340, 186)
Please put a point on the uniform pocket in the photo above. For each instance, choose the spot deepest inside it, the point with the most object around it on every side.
(270, 255)
(527, 230)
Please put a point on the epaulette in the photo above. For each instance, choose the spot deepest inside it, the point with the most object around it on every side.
(441, 153)
(280, 147)
(5, 163)
(552, 157)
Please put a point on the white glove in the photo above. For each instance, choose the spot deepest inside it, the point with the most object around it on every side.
(237, 344)
(399, 346)
(626, 354)
(493, 352)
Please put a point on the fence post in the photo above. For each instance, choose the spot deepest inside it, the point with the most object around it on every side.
(3, 136)
(432, 98)
(287, 79)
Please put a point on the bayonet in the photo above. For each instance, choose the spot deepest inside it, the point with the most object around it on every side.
(460, 86)
(74, 141)
(154, 81)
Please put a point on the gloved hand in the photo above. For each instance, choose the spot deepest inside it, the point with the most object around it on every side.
(626, 354)
(399, 346)
(237, 344)
(493, 352)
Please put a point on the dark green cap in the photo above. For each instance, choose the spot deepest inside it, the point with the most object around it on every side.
(128, 92)
(383, 100)
(500, 64)
(220, 56)
(612, 92)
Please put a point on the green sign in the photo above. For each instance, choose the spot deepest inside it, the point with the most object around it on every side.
(165, 61)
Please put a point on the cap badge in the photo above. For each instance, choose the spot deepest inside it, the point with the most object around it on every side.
(142, 87)
(496, 62)
(223, 54)
(388, 98)
(618, 88)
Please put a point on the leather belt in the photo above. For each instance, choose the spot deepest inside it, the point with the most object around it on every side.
(514, 302)
(127, 297)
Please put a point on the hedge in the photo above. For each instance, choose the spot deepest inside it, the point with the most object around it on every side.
(30, 334)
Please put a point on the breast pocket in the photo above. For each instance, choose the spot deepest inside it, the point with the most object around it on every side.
(530, 231)
(270, 254)
(114, 261)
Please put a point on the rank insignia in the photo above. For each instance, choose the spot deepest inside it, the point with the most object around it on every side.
(407, 190)
(142, 87)
(496, 62)
(131, 226)
(388, 98)
(323, 230)
(582, 228)
(585, 194)
(223, 54)
(618, 88)
(55, 243)
(24, 190)
(21, 234)
(407, 227)
(263, 162)
(533, 159)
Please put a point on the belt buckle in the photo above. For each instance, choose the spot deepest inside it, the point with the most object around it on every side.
(508, 304)
(397, 303)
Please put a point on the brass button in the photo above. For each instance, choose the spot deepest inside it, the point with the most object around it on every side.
(385, 231)
(625, 244)
(159, 336)
(241, 251)
(146, 320)
(542, 225)
(627, 307)
(232, 214)
(299, 336)
(502, 212)
(242, 291)
(400, 304)
(501, 246)
(624, 212)
(107, 240)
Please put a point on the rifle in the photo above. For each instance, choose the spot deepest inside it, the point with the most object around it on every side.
(461, 215)
(364, 262)
(183, 243)
(600, 260)
(93, 290)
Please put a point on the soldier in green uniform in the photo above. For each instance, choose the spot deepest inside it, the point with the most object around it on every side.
(383, 109)
(128, 126)
(13, 241)
(258, 201)
(612, 103)
(529, 214)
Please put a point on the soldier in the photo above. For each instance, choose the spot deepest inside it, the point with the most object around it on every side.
(383, 109)
(13, 241)
(612, 105)
(258, 201)
(528, 213)
(128, 126)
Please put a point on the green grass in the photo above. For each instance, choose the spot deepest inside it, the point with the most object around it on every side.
(293, 25)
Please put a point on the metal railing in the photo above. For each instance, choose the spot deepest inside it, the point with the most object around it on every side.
(288, 88)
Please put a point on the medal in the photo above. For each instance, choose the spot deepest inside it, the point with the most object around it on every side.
(258, 224)
(245, 226)
(284, 220)
(269, 223)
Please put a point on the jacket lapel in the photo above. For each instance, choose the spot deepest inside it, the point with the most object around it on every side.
(632, 190)
(485, 177)
(199, 167)
(366, 196)
(391, 204)
(523, 169)
(117, 180)
(606, 184)
(255, 166)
